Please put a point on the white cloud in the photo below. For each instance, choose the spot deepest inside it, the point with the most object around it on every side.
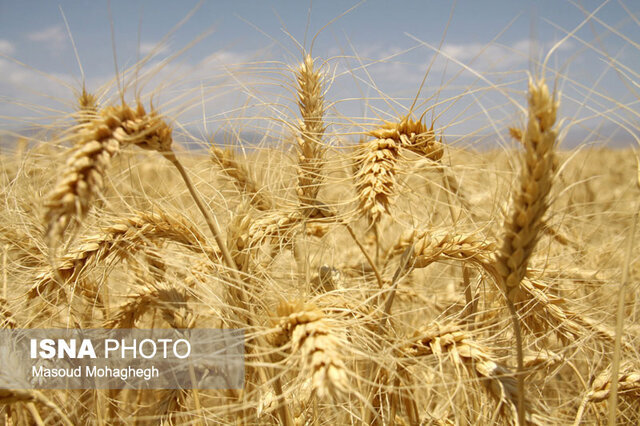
(179, 86)
(500, 57)
(394, 64)
(6, 47)
(156, 73)
(484, 57)
(382, 63)
(30, 97)
(54, 37)
(19, 81)
(157, 49)
(227, 58)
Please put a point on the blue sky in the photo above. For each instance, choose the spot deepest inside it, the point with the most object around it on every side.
(376, 56)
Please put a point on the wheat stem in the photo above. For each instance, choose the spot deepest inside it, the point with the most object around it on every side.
(366, 255)
(615, 367)
(212, 223)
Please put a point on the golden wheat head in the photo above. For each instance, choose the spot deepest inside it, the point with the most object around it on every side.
(310, 130)
(86, 169)
(530, 200)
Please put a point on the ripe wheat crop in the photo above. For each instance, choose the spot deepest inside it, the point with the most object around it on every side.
(385, 270)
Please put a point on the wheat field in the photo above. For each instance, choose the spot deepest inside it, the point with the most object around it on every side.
(385, 270)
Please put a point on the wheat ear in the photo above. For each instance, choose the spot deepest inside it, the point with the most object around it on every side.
(241, 177)
(278, 226)
(83, 177)
(376, 162)
(86, 107)
(310, 131)
(432, 246)
(84, 173)
(414, 136)
(437, 339)
(551, 312)
(529, 203)
(169, 300)
(628, 383)
(306, 328)
(238, 238)
(118, 241)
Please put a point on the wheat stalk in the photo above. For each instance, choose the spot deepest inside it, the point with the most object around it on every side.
(6, 316)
